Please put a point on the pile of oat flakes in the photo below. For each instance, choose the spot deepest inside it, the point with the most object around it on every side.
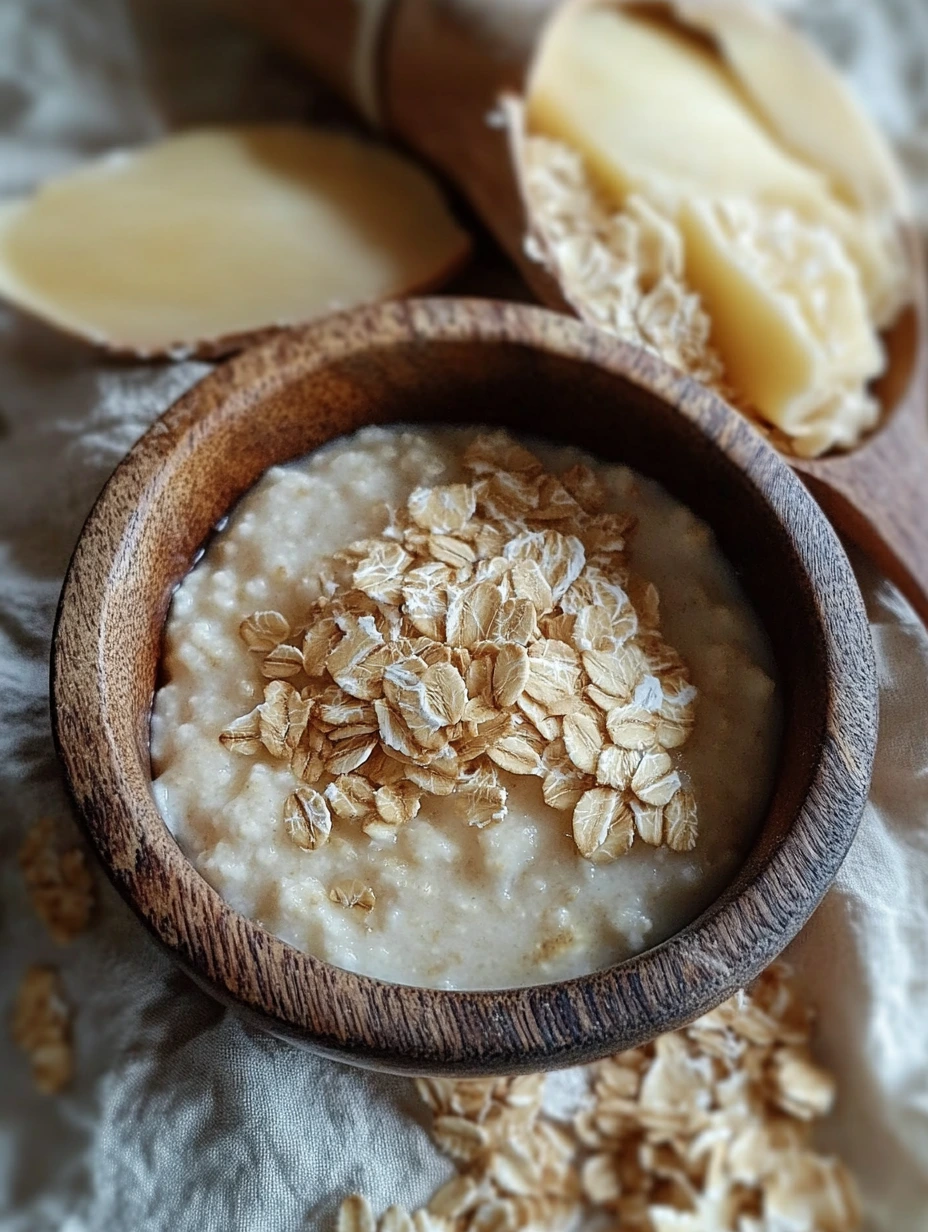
(620, 269)
(492, 626)
(705, 1130)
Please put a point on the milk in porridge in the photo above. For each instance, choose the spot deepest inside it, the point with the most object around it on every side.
(492, 758)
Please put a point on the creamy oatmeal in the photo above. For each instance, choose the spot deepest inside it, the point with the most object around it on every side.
(424, 717)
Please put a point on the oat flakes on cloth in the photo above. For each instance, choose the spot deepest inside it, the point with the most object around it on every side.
(179, 1117)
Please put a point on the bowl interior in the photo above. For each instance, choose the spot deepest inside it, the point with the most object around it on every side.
(562, 399)
(294, 394)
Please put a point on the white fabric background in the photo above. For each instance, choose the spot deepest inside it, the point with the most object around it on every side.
(180, 1117)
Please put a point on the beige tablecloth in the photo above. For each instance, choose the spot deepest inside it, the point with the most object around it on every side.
(180, 1118)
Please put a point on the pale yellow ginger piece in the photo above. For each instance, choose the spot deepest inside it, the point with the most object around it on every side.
(809, 106)
(670, 122)
(677, 122)
(221, 232)
(795, 265)
(788, 317)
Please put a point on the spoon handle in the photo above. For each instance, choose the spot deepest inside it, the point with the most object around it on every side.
(878, 494)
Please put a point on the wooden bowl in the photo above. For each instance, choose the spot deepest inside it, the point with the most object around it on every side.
(532, 370)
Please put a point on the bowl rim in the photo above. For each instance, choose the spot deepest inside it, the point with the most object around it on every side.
(424, 1030)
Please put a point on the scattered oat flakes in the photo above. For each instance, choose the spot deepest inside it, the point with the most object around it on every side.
(355, 1215)
(602, 824)
(350, 796)
(483, 796)
(395, 1219)
(379, 574)
(58, 882)
(706, 1129)
(515, 754)
(243, 735)
(318, 641)
(353, 894)
(680, 822)
(397, 804)
(282, 718)
(510, 674)
(583, 740)
(307, 818)
(281, 662)
(262, 631)
(442, 510)
(41, 1027)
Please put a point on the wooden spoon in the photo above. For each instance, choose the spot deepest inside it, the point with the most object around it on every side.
(442, 67)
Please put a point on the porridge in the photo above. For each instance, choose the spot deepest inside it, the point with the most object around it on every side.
(451, 713)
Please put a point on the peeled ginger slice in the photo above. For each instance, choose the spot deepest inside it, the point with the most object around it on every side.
(804, 101)
(797, 266)
(789, 315)
(204, 238)
(652, 111)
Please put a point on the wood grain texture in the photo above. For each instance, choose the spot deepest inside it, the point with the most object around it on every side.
(445, 67)
(461, 361)
(877, 495)
(446, 63)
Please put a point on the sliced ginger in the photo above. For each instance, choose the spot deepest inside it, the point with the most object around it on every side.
(796, 261)
(650, 109)
(218, 233)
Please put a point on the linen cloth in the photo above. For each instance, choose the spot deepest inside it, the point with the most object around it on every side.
(180, 1117)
